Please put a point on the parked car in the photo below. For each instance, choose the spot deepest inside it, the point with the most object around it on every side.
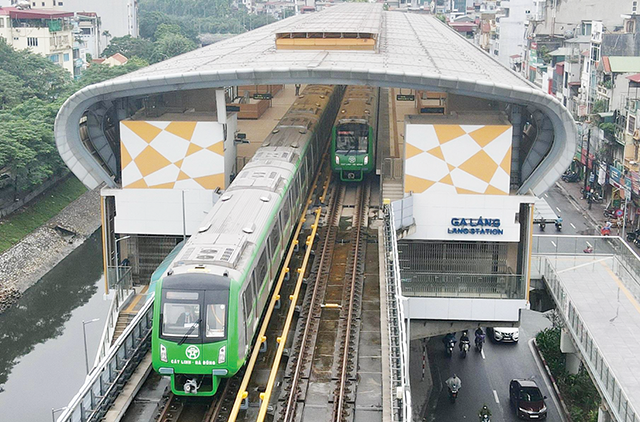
(504, 334)
(527, 399)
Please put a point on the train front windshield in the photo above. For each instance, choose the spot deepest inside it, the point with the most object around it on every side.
(196, 316)
(352, 137)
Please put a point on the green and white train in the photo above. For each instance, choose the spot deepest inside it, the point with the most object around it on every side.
(210, 298)
(353, 141)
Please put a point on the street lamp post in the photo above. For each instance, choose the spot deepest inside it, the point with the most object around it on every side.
(84, 337)
(54, 411)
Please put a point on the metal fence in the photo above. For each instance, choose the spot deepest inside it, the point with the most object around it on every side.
(106, 381)
(121, 284)
(398, 340)
(593, 358)
(490, 286)
(626, 262)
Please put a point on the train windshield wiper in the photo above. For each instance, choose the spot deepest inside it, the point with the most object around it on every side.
(183, 339)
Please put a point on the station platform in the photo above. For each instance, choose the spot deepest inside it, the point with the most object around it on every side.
(258, 130)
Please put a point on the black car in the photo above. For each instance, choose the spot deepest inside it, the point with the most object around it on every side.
(527, 399)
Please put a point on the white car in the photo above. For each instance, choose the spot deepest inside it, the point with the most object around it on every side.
(505, 334)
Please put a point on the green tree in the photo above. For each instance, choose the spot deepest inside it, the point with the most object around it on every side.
(39, 75)
(129, 47)
(165, 29)
(171, 45)
(12, 90)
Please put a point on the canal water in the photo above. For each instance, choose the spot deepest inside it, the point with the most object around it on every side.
(42, 363)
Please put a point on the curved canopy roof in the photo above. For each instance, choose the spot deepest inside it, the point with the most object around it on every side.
(412, 51)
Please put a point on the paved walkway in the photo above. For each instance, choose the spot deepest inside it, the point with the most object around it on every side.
(609, 311)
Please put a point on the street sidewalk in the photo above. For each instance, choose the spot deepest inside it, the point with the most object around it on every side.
(572, 191)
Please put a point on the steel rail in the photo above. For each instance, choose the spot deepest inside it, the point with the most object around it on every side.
(282, 340)
(340, 400)
(327, 250)
(242, 392)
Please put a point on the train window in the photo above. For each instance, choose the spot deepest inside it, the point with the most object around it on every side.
(248, 297)
(181, 319)
(296, 190)
(216, 320)
(352, 137)
(170, 295)
(261, 270)
(274, 237)
(286, 210)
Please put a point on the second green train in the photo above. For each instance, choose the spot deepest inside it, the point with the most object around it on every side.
(353, 141)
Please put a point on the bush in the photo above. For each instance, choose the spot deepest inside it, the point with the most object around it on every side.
(580, 395)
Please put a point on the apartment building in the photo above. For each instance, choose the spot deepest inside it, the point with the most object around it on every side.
(42, 31)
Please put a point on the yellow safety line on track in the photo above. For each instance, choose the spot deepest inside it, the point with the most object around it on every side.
(242, 392)
(285, 330)
(626, 292)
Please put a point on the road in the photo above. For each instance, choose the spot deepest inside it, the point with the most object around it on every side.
(485, 377)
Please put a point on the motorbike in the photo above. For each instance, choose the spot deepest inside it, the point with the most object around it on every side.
(485, 418)
(464, 348)
(571, 177)
(449, 347)
(542, 226)
(596, 198)
(479, 342)
(559, 224)
(610, 213)
(453, 393)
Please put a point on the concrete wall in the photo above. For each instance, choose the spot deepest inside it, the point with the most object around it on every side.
(569, 13)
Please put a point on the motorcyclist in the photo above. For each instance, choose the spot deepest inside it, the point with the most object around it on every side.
(479, 335)
(484, 411)
(449, 337)
(464, 339)
(454, 383)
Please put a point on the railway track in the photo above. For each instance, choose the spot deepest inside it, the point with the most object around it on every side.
(213, 409)
(321, 373)
(319, 379)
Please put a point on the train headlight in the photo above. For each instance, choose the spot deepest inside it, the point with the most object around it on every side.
(222, 354)
(337, 159)
(366, 160)
(163, 353)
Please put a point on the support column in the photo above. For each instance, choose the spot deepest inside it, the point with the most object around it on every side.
(572, 355)
(603, 414)
(221, 106)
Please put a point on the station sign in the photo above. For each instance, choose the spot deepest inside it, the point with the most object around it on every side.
(265, 96)
(476, 226)
(405, 97)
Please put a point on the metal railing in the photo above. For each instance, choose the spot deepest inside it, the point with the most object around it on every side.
(122, 289)
(607, 384)
(106, 380)
(503, 286)
(626, 262)
(398, 340)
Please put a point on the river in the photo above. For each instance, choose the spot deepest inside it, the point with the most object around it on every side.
(42, 363)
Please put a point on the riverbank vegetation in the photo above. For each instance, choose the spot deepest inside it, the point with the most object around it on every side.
(19, 224)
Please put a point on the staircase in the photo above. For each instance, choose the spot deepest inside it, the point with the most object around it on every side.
(124, 318)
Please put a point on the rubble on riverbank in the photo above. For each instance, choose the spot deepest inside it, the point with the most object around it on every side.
(24, 264)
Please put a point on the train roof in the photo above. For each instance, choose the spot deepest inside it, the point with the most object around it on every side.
(230, 231)
(233, 227)
(359, 105)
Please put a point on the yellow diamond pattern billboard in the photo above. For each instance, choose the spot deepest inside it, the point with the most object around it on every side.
(458, 159)
(172, 155)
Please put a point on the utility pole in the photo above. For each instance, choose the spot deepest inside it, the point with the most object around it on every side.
(586, 162)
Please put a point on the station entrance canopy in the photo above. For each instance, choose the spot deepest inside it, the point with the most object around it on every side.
(406, 50)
